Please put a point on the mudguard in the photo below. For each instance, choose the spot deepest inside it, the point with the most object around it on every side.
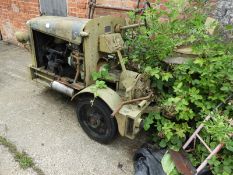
(109, 96)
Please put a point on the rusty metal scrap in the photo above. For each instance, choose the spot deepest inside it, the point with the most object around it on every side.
(130, 101)
(182, 164)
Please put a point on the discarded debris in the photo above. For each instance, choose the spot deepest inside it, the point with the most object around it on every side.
(147, 161)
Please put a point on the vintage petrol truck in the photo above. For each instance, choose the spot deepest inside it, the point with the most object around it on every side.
(67, 50)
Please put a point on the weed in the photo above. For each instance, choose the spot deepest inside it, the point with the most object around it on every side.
(24, 160)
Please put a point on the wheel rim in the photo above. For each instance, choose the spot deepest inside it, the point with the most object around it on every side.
(93, 120)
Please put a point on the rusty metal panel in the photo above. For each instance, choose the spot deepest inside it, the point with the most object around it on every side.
(183, 165)
(53, 7)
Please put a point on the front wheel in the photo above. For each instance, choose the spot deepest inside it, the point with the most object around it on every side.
(95, 119)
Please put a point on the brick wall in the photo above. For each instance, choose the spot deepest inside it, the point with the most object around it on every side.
(77, 8)
(15, 13)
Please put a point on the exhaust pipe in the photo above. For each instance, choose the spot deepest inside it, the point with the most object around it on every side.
(55, 85)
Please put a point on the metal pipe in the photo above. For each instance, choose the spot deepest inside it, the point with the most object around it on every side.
(113, 8)
(132, 26)
(77, 73)
(44, 77)
(142, 103)
(121, 60)
(203, 142)
(214, 152)
(90, 7)
(138, 3)
(117, 8)
(128, 102)
(93, 8)
(93, 5)
(62, 88)
(195, 134)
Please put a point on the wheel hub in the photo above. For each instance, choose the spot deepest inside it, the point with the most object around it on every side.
(94, 121)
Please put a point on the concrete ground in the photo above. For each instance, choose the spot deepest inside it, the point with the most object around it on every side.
(43, 123)
(8, 166)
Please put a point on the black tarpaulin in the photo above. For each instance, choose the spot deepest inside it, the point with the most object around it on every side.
(147, 161)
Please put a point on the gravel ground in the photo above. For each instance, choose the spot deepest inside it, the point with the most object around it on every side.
(42, 123)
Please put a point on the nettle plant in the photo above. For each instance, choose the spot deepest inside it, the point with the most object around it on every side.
(188, 92)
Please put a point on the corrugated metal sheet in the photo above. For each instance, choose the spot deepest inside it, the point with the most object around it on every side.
(53, 7)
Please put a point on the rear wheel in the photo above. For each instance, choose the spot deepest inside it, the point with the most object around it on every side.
(95, 119)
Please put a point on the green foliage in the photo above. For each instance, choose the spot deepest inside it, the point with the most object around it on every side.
(24, 160)
(190, 91)
(220, 129)
(102, 74)
(222, 166)
(168, 165)
(99, 78)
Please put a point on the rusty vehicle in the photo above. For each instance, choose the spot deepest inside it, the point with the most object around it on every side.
(67, 50)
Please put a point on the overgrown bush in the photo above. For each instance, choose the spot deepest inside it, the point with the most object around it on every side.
(188, 92)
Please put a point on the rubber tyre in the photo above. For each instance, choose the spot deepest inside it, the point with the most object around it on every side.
(104, 111)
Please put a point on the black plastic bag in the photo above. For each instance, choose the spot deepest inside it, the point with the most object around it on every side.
(147, 161)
